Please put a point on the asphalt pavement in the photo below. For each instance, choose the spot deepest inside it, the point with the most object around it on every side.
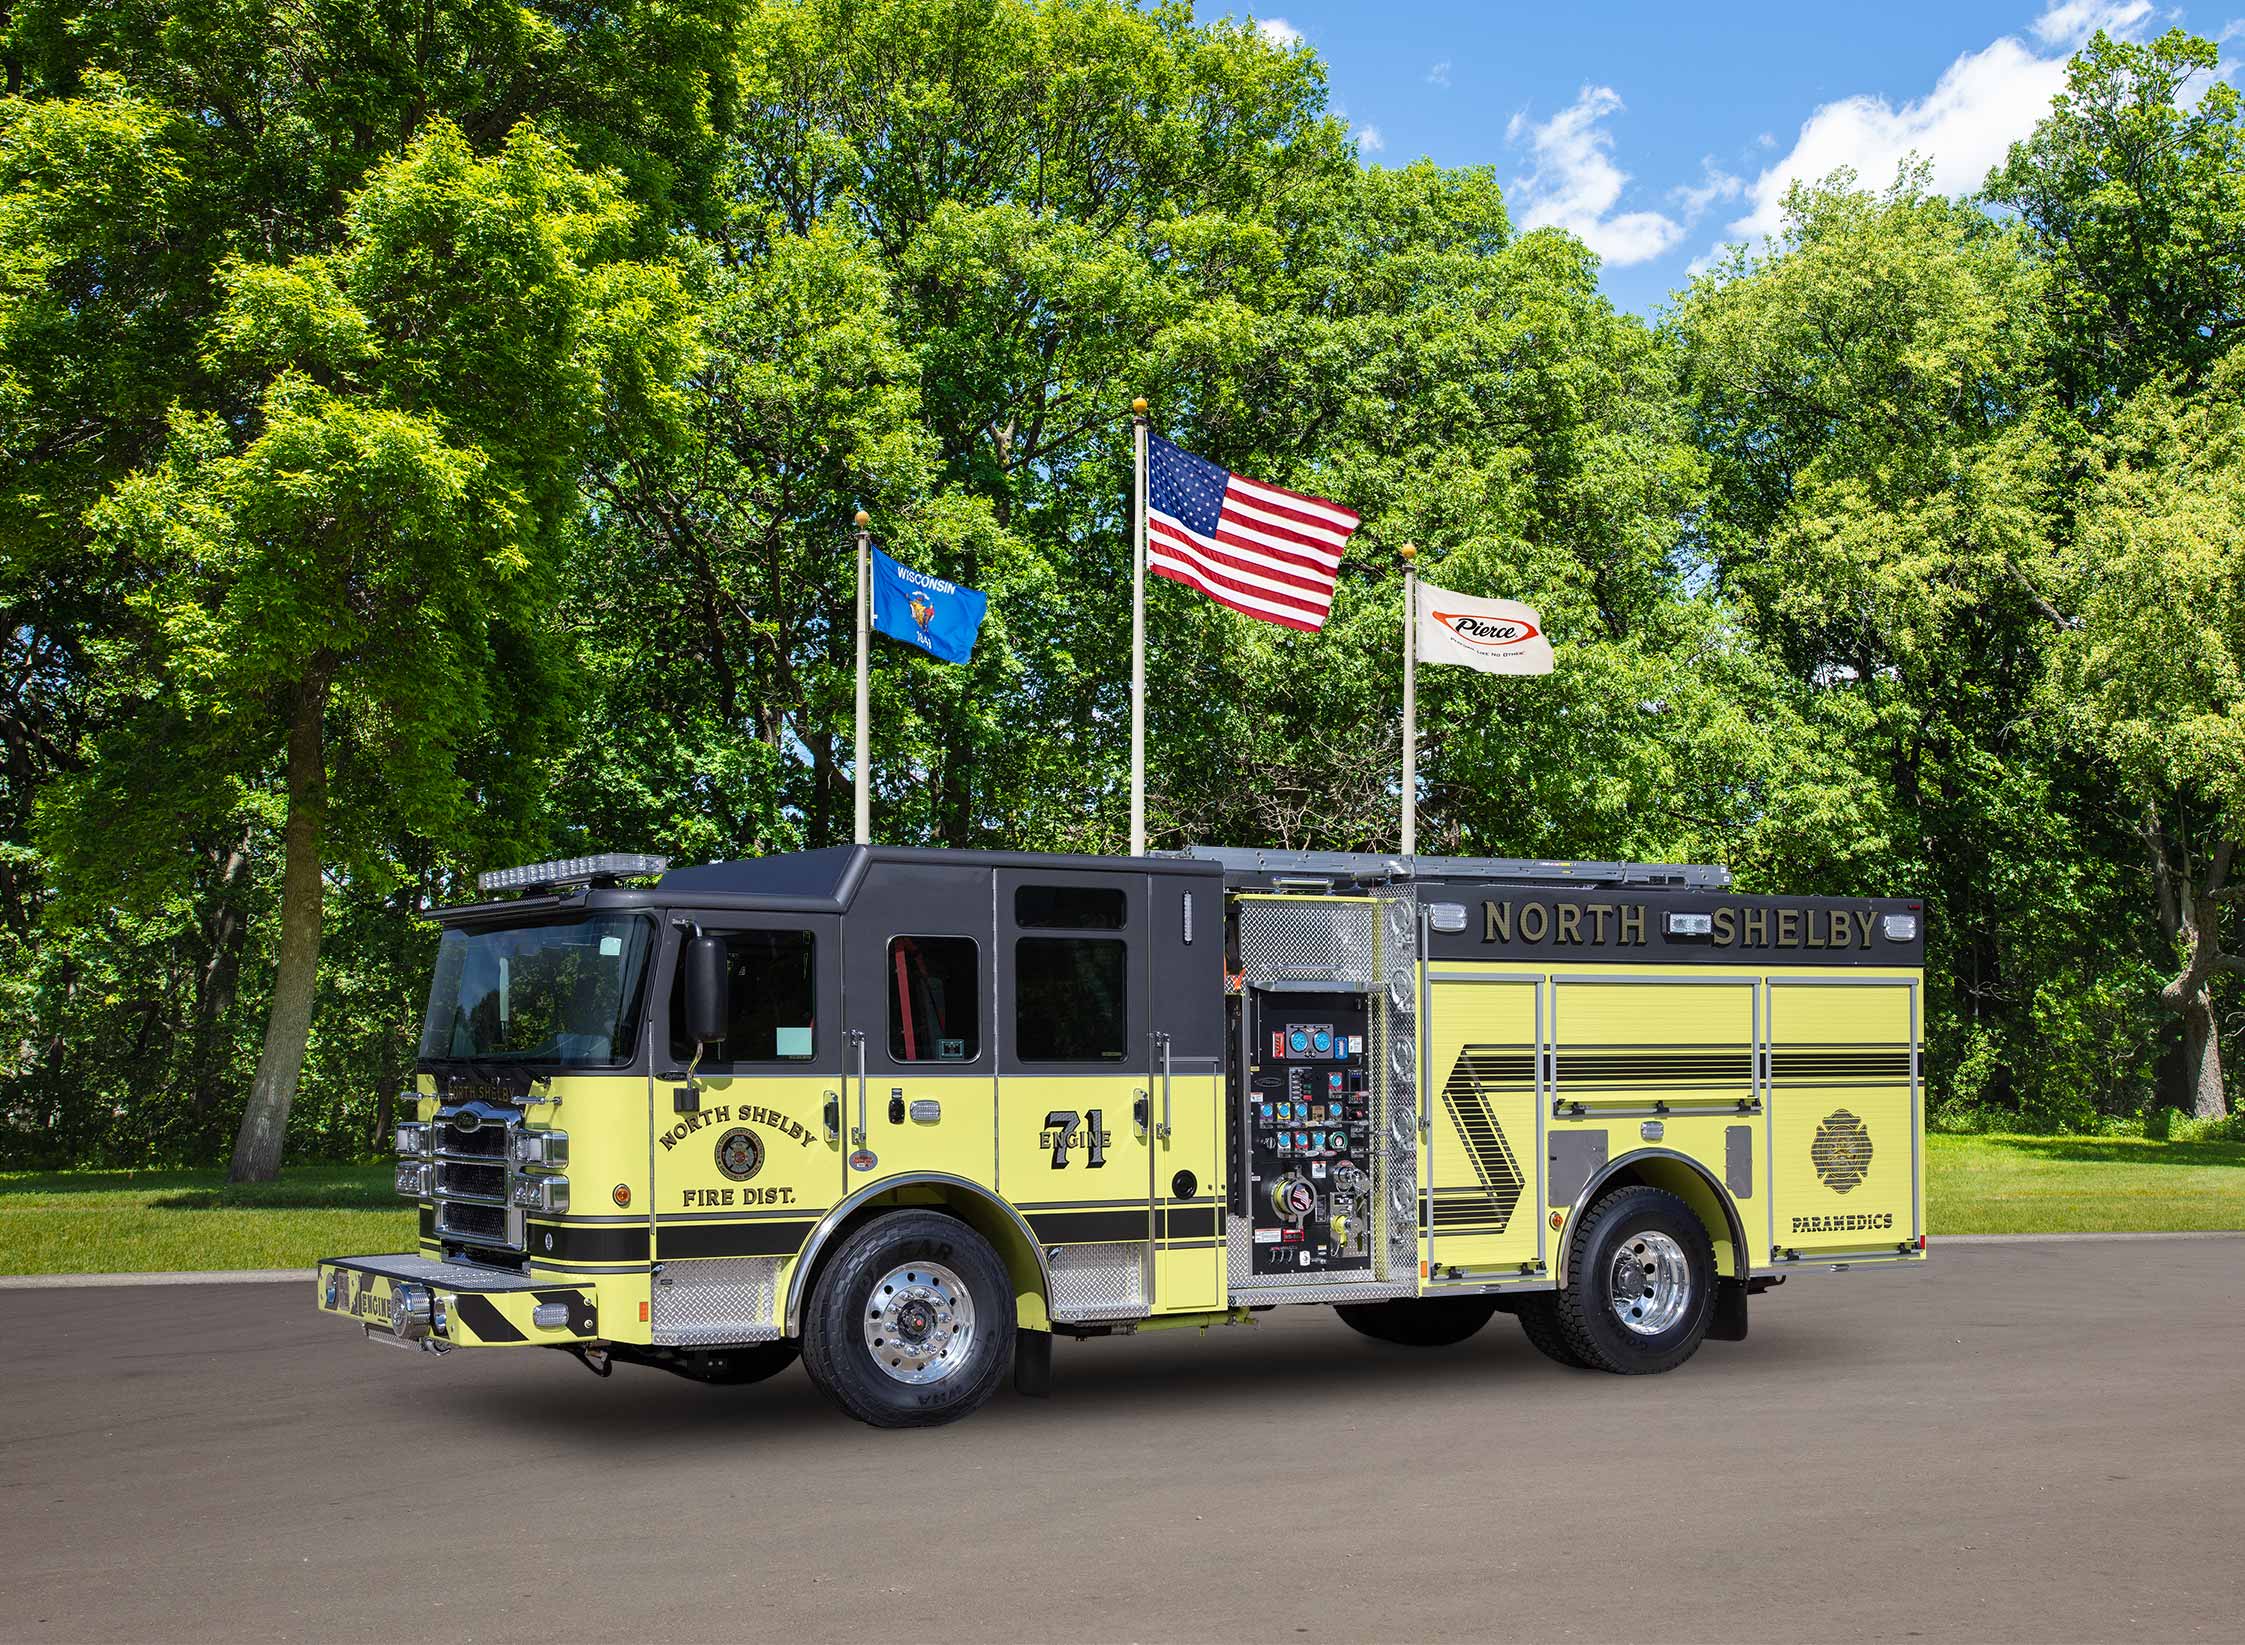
(2019, 1442)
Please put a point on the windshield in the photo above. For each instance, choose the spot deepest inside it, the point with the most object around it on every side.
(564, 993)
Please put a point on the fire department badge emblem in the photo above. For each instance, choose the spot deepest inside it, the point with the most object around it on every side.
(739, 1155)
(1841, 1152)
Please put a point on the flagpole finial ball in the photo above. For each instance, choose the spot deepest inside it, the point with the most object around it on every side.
(1407, 553)
(1138, 408)
(863, 519)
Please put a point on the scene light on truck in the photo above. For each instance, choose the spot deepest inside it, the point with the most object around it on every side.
(571, 871)
(547, 1194)
(541, 1147)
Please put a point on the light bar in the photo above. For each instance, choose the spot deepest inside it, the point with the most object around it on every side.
(571, 871)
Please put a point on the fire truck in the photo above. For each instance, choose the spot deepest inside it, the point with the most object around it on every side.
(909, 1114)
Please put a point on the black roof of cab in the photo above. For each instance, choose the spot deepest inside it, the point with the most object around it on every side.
(821, 881)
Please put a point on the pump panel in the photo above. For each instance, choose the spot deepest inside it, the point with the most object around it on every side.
(1310, 1189)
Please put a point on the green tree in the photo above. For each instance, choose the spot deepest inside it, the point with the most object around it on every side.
(364, 570)
(2134, 189)
(1867, 389)
(2150, 678)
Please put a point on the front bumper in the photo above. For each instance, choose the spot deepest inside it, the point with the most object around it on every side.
(420, 1301)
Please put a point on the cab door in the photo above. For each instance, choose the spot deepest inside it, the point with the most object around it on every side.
(1079, 1095)
(922, 1095)
(749, 1158)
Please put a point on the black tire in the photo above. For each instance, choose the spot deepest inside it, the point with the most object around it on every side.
(1419, 1322)
(836, 1347)
(737, 1366)
(1539, 1322)
(1619, 1223)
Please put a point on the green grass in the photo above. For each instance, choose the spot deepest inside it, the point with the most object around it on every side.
(126, 1222)
(2081, 1185)
(119, 1222)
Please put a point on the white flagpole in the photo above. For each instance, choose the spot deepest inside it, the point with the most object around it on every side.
(1138, 640)
(864, 688)
(1410, 701)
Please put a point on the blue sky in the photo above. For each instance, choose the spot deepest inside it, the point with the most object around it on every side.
(1659, 132)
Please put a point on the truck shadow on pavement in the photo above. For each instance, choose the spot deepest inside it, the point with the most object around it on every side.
(641, 1412)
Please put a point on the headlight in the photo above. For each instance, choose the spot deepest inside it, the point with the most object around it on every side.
(542, 1193)
(412, 1139)
(541, 1148)
(413, 1179)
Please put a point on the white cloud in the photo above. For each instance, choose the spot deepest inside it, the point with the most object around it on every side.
(1575, 185)
(2068, 23)
(1714, 184)
(1439, 75)
(1370, 140)
(1984, 102)
(1279, 32)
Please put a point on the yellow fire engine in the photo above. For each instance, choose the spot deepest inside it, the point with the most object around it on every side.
(909, 1114)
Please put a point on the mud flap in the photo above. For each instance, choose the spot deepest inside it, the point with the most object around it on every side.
(1729, 1323)
(1032, 1364)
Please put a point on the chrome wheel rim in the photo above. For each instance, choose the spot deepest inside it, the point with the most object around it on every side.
(1649, 1283)
(919, 1322)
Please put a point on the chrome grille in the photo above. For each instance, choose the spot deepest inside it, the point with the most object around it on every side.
(485, 1225)
(471, 1178)
(485, 1141)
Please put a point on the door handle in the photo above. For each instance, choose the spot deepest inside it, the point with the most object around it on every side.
(1162, 1042)
(833, 1116)
(857, 1049)
(896, 1107)
(1138, 1109)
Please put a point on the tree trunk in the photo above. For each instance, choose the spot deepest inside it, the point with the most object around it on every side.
(2190, 914)
(2202, 1056)
(215, 982)
(288, 1021)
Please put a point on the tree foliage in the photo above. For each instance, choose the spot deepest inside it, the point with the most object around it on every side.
(430, 434)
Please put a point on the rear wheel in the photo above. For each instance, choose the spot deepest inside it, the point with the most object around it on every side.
(1539, 1322)
(1640, 1288)
(1419, 1322)
(912, 1322)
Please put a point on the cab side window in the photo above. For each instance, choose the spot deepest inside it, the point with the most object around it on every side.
(1069, 999)
(774, 999)
(935, 999)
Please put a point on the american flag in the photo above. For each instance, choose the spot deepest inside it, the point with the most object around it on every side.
(1260, 549)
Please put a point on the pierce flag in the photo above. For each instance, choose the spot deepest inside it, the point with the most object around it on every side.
(1494, 636)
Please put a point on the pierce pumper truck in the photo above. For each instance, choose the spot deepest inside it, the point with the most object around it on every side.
(910, 1114)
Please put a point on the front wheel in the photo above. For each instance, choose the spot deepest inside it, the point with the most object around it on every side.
(1640, 1289)
(912, 1322)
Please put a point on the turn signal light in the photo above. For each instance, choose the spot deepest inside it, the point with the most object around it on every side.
(413, 1180)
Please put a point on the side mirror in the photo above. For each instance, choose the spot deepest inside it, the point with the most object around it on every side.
(709, 1005)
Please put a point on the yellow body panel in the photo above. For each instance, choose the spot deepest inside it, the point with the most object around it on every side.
(1478, 1153)
(1843, 1117)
